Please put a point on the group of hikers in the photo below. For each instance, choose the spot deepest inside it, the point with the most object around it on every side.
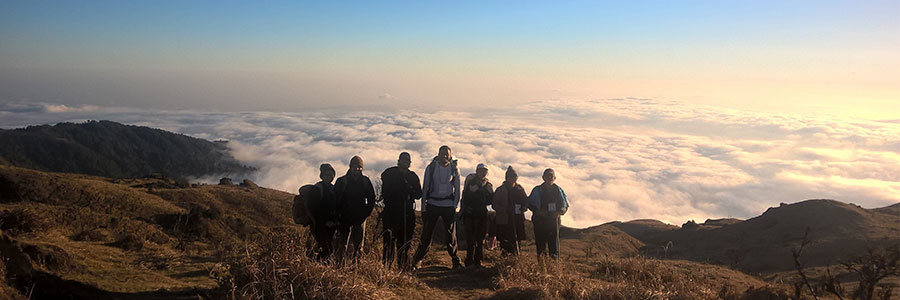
(339, 213)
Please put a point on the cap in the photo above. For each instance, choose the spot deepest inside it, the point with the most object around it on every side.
(480, 166)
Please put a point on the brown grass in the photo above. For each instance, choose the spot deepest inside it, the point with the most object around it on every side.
(280, 267)
(524, 277)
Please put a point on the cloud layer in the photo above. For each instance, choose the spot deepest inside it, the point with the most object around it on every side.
(617, 159)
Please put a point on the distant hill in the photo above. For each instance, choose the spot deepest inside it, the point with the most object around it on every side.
(763, 244)
(893, 210)
(642, 227)
(115, 150)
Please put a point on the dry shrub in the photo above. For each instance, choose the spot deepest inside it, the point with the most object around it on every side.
(524, 277)
(279, 266)
(21, 220)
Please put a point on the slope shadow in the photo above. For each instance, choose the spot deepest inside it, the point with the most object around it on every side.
(49, 286)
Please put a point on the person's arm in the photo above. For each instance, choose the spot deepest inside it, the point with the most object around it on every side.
(339, 196)
(565, 202)
(455, 183)
(497, 202)
(488, 191)
(370, 194)
(466, 190)
(523, 200)
(426, 184)
(414, 186)
(534, 200)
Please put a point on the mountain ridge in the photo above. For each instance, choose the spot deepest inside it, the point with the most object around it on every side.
(115, 150)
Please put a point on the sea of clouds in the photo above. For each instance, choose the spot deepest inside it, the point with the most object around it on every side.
(617, 159)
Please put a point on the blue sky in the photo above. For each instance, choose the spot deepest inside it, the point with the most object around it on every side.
(816, 56)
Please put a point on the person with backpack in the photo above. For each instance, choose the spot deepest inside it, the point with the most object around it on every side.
(476, 196)
(355, 201)
(440, 191)
(399, 188)
(547, 202)
(510, 203)
(323, 210)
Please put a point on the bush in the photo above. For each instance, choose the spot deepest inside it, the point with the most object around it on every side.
(21, 220)
(280, 266)
(524, 277)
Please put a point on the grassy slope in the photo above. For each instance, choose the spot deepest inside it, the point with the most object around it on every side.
(140, 236)
(763, 244)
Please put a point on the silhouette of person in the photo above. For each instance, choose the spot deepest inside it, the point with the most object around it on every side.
(324, 212)
(477, 195)
(355, 201)
(510, 203)
(547, 203)
(399, 189)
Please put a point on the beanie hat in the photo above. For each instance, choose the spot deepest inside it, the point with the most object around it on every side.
(511, 173)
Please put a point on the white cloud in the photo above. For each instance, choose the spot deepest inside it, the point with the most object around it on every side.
(617, 159)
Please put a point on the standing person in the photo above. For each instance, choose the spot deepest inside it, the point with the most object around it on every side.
(510, 203)
(399, 188)
(547, 202)
(323, 210)
(477, 195)
(440, 191)
(355, 201)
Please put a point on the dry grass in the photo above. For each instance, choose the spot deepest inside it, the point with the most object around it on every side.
(524, 277)
(280, 267)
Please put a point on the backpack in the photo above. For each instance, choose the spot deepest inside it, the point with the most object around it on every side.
(300, 210)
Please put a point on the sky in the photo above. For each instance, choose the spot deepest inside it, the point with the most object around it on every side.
(813, 57)
(646, 109)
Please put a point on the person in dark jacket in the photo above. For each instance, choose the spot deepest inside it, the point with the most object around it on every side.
(355, 201)
(399, 189)
(440, 196)
(324, 212)
(510, 203)
(476, 196)
(547, 203)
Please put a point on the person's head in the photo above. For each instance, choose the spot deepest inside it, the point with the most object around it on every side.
(481, 171)
(356, 166)
(549, 176)
(511, 175)
(404, 161)
(445, 154)
(326, 173)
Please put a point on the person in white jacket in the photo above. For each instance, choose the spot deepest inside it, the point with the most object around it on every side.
(440, 195)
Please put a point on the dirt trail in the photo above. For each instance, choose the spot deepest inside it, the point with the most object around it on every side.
(465, 283)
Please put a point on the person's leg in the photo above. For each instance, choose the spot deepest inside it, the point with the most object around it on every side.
(324, 237)
(553, 237)
(343, 236)
(448, 215)
(540, 234)
(387, 242)
(506, 235)
(478, 241)
(469, 227)
(429, 220)
(357, 234)
(405, 240)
